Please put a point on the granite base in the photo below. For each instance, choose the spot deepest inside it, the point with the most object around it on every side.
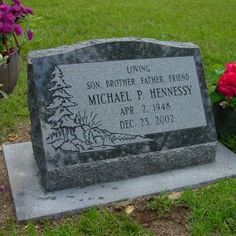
(32, 201)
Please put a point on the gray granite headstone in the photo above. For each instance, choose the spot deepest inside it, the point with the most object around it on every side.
(113, 109)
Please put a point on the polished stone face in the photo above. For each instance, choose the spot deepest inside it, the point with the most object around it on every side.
(106, 104)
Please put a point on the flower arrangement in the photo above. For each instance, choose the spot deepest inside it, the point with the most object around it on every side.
(11, 17)
(224, 91)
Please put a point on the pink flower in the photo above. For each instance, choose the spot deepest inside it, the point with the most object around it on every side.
(30, 35)
(231, 67)
(17, 30)
(226, 85)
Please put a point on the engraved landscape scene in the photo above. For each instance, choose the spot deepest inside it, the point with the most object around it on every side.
(80, 131)
(91, 108)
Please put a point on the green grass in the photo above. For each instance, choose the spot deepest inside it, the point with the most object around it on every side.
(161, 203)
(91, 223)
(213, 208)
(210, 24)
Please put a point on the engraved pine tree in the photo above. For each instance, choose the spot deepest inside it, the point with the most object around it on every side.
(60, 116)
(71, 130)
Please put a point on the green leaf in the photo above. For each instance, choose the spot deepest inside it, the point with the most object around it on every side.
(220, 71)
(214, 75)
(212, 88)
(232, 103)
(216, 97)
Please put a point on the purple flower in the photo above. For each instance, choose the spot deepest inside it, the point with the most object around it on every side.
(4, 8)
(30, 35)
(17, 30)
(17, 2)
(10, 18)
(6, 28)
(17, 11)
(20, 11)
(28, 10)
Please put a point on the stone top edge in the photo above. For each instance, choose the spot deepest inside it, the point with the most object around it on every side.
(84, 44)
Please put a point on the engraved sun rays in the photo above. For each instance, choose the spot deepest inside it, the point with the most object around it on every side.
(88, 119)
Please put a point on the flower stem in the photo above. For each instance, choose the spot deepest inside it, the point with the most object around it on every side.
(15, 38)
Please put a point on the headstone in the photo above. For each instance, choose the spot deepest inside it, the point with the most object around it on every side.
(113, 109)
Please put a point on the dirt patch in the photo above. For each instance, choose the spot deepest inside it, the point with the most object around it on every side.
(21, 134)
(175, 223)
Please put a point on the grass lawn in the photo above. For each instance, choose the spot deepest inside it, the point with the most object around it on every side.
(212, 211)
(210, 24)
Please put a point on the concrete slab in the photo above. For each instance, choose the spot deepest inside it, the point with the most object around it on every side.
(31, 201)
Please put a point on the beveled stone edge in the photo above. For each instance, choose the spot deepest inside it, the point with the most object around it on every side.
(118, 165)
(72, 47)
